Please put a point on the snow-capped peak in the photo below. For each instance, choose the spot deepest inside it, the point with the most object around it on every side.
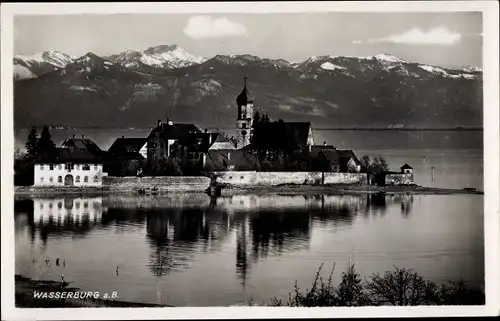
(472, 69)
(163, 56)
(55, 58)
(329, 66)
(388, 58)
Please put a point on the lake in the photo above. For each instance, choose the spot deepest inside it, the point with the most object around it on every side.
(457, 156)
(191, 250)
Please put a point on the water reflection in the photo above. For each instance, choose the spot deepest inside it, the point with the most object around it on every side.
(181, 226)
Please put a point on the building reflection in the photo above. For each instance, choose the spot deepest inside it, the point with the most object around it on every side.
(178, 227)
(60, 217)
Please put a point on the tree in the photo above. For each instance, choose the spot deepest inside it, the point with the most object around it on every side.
(350, 290)
(45, 142)
(32, 142)
(375, 166)
(401, 287)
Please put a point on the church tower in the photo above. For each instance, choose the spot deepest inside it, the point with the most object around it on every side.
(245, 117)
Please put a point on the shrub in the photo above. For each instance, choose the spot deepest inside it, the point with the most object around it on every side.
(401, 287)
(398, 287)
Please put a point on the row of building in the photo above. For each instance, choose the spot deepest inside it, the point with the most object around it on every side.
(80, 162)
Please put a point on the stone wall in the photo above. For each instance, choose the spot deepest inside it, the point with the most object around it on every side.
(399, 179)
(276, 178)
(346, 178)
(158, 183)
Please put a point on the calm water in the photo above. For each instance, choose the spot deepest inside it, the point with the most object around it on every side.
(194, 251)
(190, 250)
(457, 156)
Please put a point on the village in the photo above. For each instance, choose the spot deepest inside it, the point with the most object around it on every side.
(264, 152)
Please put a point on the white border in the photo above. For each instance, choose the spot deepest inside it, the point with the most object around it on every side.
(491, 158)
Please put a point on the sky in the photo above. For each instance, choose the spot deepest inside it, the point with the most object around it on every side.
(451, 39)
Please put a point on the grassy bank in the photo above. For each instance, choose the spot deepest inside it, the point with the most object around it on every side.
(25, 289)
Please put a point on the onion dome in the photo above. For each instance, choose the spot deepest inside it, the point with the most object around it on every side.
(245, 96)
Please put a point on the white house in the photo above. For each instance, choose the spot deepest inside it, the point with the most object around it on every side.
(78, 164)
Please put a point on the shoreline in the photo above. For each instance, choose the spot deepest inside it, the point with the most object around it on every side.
(278, 189)
(25, 288)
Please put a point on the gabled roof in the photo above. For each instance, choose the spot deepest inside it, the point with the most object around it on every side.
(315, 149)
(406, 166)
(83, 144)
(173, 131)
(68, 155)
(127, 145)
(348, 154)
(331, 155)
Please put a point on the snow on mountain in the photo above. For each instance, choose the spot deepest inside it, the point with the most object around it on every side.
(22, 72)
(164, 56)
(472, 69)
(386, 58)
(437, 70)
(329, 66)
(55, 58)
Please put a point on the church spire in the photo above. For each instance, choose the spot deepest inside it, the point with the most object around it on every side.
(244, 97)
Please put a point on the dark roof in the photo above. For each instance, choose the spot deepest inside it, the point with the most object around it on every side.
(245, 96)
(348, 154)
(331, 155)
(68, 155)
(219, 160)
(315, 149)
(127, 145)
(174, 131)
(281, 135)
(83, 144)
(406, 166)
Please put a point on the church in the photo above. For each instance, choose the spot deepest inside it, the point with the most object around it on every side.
(278, 135)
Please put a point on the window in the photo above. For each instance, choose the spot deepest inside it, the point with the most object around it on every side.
(41, 205)
(77, 205)
(86, 167)
(86, 179)
(51, 167)
(59, 179)
(69, 166)
(50, 205)
(78, 179)
(85, 205)
(59, 166)
(96, 179)
(77, 167)
(96, 167)
(59, 205)
(230, 177)
(51, 179)
(41, 167)
(244, 125)
(241, 177)
(41, 179)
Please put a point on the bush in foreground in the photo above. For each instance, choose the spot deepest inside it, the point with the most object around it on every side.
(399, 287)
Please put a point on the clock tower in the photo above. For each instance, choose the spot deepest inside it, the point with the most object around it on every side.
(245, 117)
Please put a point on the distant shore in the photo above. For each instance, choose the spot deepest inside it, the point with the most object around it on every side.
(26, 287)
(280, 189)
(457, 128)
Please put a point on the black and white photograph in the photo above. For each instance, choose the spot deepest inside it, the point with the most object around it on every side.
(250, 155)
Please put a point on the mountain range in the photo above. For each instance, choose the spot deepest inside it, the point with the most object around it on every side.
(134, 88)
